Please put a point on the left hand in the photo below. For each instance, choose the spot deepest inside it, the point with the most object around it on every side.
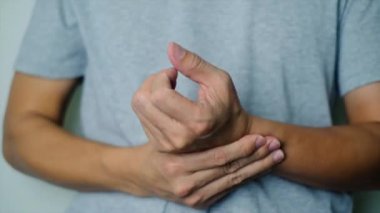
(176, 123)
(195, 179)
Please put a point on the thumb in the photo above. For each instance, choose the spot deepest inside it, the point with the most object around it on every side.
(190, 64)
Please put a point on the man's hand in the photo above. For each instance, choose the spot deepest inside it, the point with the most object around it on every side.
(196, 179)
(176, 123)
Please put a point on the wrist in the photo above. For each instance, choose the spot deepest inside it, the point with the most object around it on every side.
(241, 125)
(120, 166)
(257, 125)
(111, 158)
(252, 125)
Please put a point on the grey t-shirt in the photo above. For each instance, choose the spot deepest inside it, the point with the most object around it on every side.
(289, 60)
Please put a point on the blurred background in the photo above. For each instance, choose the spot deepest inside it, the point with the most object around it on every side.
(23, 194)
(20, 193)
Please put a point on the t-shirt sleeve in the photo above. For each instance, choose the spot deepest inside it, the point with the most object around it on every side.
(52, 46)
(359, 49)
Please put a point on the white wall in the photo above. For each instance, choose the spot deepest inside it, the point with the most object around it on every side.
(20, 193)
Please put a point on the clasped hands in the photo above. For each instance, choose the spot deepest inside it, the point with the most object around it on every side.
(198, 150)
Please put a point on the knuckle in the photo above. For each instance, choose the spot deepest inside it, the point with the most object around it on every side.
(173, 167)
(193, 201)
(225, 77)
(231, 167)
(203, 122)
(165, 147)
(268, 162)
(261, 153)
(183, 189)
(168, 149)
(180, 143)
(161, 95)
(202, 128)
(263, 166)
(196, 62)
(220, 157)
(157, 97)
(247, 148)
(139, 99)
(236, 179)
(182, 137)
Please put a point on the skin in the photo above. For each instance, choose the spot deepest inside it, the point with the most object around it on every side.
(36, 144)
(337, 158)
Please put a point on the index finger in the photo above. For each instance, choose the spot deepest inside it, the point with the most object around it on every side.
(165, 79)
(169, 101)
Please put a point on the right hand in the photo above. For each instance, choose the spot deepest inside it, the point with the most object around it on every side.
(177, 124)
(200, 179)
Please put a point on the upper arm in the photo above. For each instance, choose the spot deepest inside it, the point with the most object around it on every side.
(32, 98)
(363, 104)
(363, 107)
(31, 95)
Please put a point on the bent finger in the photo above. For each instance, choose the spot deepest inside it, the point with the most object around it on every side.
(173, 104)
(155, 135)
(164, 79)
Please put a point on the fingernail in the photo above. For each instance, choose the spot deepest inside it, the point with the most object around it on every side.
(260, 141)
(278, 156)
(178, 51)
(274, 144)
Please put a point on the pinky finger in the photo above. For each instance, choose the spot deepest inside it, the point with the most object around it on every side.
(234, 179)
(214, 199)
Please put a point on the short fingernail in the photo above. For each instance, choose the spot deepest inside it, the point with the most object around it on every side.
(260, 141)
(178, 51)
(274, 144)
(278, 156)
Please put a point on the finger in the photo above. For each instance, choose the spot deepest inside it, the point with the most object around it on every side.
(198, 179)
(146, 87)
(258, 154)
(142, 104)
(273, 142)
(149, 117)
(175, 133)
(213, 200)
(173, 75)
(190, 64)
(147, 130)
(139, 102)
(236, 178)
(195, 116)
(222, 155)
(169, 101)
(154, 135)
(164, 79)
(194, 202)
(204, 177)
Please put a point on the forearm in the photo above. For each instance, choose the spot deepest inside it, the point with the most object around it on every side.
(40, 147)
(339, 158)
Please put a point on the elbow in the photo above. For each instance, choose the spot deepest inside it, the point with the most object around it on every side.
(11, 145)
(8, 147)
